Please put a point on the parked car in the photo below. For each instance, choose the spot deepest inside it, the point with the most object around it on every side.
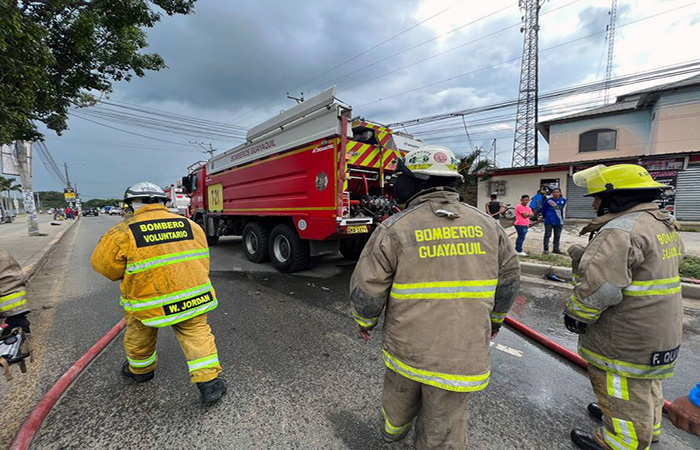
(114, 211)
(91, 212)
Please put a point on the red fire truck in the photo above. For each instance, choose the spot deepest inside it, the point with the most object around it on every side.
(306, 183)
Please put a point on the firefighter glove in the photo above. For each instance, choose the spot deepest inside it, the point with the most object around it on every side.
(574, 325)
(495, 328)
(18, 321)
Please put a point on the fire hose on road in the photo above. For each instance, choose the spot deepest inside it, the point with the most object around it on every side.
(31, 425)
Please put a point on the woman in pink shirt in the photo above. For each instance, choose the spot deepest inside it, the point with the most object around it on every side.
(522, 223)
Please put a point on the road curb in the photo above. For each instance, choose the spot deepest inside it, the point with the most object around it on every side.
(25, 434)
(30, 269)
(690, 291)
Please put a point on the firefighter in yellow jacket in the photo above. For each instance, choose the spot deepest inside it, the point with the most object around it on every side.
(162, 260)
(446, 275)
(626, 305)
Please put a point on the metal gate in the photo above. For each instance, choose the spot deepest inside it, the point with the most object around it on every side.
(688, 194)
(578, 206)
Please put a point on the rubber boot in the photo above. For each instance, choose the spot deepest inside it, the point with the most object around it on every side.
(212, 391)
(138, 377)
(585, 440)
(394, 437)
(595, 411)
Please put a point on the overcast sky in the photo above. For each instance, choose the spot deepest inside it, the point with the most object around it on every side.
(234, 61)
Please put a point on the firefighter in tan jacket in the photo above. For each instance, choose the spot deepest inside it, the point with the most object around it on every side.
(162, 260)
(447, 275)
(13, 285)
(626, 305)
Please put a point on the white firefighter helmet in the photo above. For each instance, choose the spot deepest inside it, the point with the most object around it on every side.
(144, 190)
(432, 161)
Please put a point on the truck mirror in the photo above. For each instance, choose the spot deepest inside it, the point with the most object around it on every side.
(186, 183)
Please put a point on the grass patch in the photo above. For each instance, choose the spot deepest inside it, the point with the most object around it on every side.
(690, 229)
(550, 259)
(690, 267)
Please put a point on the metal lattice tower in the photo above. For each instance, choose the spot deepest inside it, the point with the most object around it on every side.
(525, 144)
(610, 36)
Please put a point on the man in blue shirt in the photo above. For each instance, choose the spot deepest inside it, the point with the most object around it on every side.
(536, 204)
(553, 213)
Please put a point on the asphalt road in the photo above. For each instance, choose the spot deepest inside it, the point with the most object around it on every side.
(298, 375)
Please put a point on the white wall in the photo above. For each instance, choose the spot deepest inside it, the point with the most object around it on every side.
(517, 185)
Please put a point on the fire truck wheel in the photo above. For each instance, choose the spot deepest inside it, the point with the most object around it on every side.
(288, 252)
(255, 242)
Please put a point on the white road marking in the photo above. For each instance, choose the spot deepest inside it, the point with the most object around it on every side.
(509, 350)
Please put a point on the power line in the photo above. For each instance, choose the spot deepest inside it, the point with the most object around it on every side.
(518, 58)
(127, 131)
(240, 117)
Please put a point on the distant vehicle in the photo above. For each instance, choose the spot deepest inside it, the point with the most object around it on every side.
(6, 216)
(114, 211)
(178, 202)
(91, 212)
(106, 209)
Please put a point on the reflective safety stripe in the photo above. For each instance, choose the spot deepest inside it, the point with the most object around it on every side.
(458, 383)
(657, 429)
(365, 323)
(624, 437)
(574, 306)
(617, 386)
(165, 321)
(148, 303)
(665, 286)
(391, 429)
(438, 290)
(141, 363)
(204, 363)
(497, 317)
(164, 260)
(14, 300)
(624, 368)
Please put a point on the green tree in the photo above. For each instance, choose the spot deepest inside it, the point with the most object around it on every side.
(474, 169)
(55, 54)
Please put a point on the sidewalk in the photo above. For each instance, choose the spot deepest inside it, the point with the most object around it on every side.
(570, 236)
(30, 251)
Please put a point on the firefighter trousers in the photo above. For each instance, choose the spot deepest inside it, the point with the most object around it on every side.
(442, 416)
(194, 336)
(632, 409)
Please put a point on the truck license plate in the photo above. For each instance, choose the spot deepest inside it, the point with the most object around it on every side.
(354, 229)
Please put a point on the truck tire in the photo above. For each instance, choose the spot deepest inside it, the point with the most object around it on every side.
(288, 252)
(352, 248)
(211, 240)
(256, 238)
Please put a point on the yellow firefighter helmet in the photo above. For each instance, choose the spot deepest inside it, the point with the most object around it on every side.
(600, 178)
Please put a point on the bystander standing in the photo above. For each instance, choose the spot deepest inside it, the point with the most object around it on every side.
(553, 213)
(523, 213)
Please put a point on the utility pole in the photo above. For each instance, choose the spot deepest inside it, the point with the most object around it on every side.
(25, 173)
(525, 143)
(209, 150)
(65, 165)
(610, 35)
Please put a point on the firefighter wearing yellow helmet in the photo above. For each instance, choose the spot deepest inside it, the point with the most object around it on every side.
(162, 260)
(446, 275)
(626, 306)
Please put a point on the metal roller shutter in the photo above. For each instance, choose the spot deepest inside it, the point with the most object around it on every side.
(578, 206)
(688, 194)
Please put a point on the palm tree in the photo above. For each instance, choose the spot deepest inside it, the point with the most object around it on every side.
(473, 169)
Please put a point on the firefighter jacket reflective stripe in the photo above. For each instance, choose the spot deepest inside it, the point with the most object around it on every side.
(629, 292)
(12, 287)
(162, 260)
(442, 280)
